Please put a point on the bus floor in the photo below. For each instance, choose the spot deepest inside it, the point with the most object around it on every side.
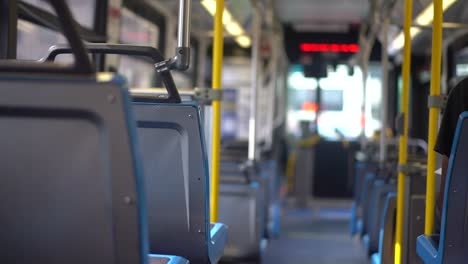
(318, 234)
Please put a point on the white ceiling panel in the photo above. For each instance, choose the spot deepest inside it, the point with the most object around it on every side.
(322, 11)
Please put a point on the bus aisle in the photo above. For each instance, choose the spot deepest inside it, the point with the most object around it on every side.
(317, 234)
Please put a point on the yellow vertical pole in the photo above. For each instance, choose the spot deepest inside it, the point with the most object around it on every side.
(218, 42)
(436, 62)
(402, 157)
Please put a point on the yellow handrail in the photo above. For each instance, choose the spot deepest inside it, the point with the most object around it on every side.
(218, 42)
(436, 61)
(402, 157)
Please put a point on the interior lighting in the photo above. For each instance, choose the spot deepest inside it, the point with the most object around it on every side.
(230, 24)
(244, 41)
(210, 6)
(25, 26)
(424, 18)
(399, 41)
(234, 29)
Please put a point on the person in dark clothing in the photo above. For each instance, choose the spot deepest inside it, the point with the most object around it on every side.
(457, 103)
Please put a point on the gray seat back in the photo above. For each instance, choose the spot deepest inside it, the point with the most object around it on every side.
(176, 177)
(387, 232)
(377, 201)
(241, 208)
(68, 190)
(454, 229)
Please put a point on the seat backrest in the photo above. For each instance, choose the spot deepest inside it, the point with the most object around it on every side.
(387, 231)
(176, 176)
(453, 245)
(69, 174)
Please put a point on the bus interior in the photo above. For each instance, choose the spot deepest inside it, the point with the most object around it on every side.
(233, 131)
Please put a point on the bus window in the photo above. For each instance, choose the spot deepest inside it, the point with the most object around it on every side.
(137, 31)
(83, 10)
(461, 63)
(341, 99)
(33, 41)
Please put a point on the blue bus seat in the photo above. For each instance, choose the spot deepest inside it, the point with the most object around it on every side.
(387, 231)
(71, 184)
(368, 182)
(359, 174)
(362, 170)
(246, 232)
(415, 225)
(243, 191)
(377, 200)
(177, 181)
(174, 162)
(269, 170)
(452, 246)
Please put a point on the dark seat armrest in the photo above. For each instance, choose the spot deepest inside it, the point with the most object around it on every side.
(166, 259)
(218, 237)
(428, 248)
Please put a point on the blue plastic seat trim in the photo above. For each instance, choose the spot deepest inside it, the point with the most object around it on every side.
(427, 249)
(375, 258)
(140, 185)
(382, 226)
(353, 222)
(277, 219)
(218, 238)
(172, 259)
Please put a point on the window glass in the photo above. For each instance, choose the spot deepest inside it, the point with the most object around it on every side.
(182, 80)
(461, 63)
(83, 10)
(236, 84)
(235, 106)
(136, 30)
(34, 41)
(462, 69)
(341, 100)
(139, 73)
